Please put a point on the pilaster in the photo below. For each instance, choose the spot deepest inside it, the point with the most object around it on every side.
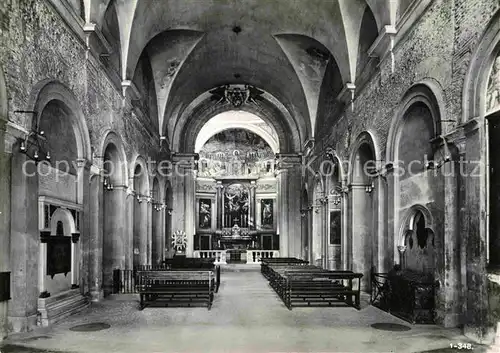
(24, 246)
(183, 192)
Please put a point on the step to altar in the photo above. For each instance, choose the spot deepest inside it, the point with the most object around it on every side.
(240, 267)
(60, 306)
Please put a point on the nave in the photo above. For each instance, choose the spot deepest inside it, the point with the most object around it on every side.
(246, 316)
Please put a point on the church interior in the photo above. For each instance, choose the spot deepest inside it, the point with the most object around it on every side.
(315, 175)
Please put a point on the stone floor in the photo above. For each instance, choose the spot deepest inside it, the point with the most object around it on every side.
(246, 316)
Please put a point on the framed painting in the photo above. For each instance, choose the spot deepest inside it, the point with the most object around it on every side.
(267, 213)
(205, 213)
(335, 229)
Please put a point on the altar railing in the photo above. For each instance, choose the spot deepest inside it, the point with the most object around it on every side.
(219, 255)
(252, 256)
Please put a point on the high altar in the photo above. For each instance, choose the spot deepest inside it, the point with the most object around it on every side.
(236, 199)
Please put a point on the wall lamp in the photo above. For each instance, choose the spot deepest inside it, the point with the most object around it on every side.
(303, 211)
(107, 184)
(337, 194)
(336, 198)
(369, 188)
(33, 144)
(157, 206)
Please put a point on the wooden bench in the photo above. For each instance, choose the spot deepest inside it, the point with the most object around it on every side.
(307, 285)
(280, 261)
(176, 288)
(193, 264)
(328, 288)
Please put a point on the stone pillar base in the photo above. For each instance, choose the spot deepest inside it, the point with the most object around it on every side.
(18, 324)
(96, 295)
(479, 336)
(60, 306)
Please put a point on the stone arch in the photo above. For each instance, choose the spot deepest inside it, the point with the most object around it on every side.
(62, 215)
(114, 231)
(419, 249)
(364, 138)
(267, 136)
(111, 138)
(428, 92)
(335, 211)
(140, 161)
(49, 90)
(290, 135)
(476, 78)
(409, 218)
(363, 240)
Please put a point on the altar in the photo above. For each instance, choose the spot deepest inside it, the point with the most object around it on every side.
(236, 199)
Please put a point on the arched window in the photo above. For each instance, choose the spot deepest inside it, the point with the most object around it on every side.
(59, 228)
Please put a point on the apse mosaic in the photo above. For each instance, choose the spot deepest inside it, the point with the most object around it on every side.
(236, 152)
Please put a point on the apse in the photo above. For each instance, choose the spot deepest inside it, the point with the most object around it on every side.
(237, 119)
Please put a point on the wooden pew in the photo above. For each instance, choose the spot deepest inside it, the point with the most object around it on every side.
(307, 285)
(322, 288)
(176, 288)
(192, 264)
(279, 261)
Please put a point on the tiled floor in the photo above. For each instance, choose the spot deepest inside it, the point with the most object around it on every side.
(246, 316)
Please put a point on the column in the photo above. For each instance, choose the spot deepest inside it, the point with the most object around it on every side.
(5, 163)
(346, 241)
(402, 260)
(452, 276)
(42, 273)
(183, 194)
(391, 253)
(282, 175)
(149, 232)
(83, 264)
(129, 232)
(294, 182)
(381, 248)
(324, 225)
(220, 204)
(24, 246)
(96, 235)
(74, 260)
(251, 218)
(190, 209)
(361, 222)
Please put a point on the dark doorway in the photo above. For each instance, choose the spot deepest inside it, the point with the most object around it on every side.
(494, 161)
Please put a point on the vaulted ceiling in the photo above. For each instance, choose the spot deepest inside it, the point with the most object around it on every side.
(283, 47)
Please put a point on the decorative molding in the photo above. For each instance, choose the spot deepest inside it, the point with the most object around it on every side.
(347, 94)
(412, 14)
(90, 28)
(384, 43)
(237, 95)
(135, 94)
(60, 203)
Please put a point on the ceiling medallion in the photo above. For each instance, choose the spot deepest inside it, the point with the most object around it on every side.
(237, 95)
